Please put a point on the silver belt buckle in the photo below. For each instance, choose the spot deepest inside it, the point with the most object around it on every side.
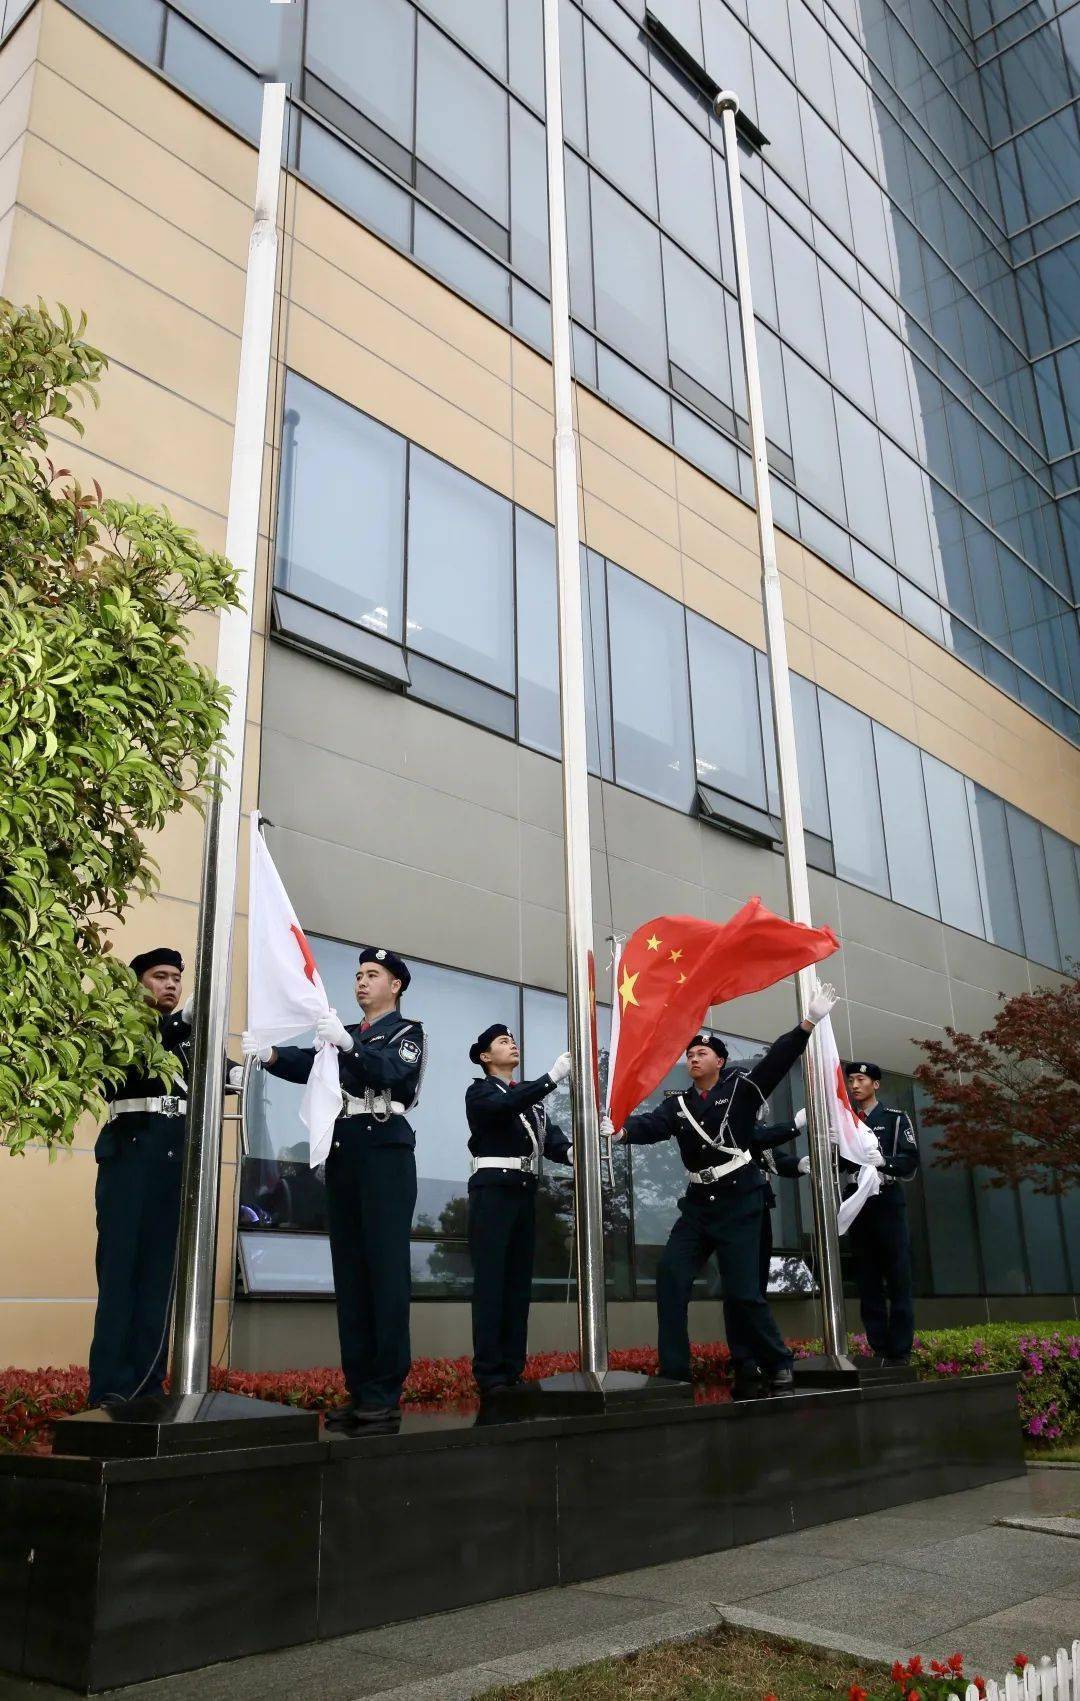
(528, 1166)
(170, 1105)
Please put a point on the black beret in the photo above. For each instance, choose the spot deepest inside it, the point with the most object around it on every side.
(389, 960)
(713, 1041)
(163, 956)
(483, 1041)
(871, 1069)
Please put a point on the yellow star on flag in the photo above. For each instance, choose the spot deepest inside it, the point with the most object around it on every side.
(674, 955)
(652, 942)
(681, 979)
(626, 988)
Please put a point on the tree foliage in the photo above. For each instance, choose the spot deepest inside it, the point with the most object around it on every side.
(106, 728)
(1008, 1099)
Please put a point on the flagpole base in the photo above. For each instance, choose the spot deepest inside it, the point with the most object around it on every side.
(578, 1393)
(836, 1370)
(159, 1426)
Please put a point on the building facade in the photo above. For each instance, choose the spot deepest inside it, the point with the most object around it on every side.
(914, 242)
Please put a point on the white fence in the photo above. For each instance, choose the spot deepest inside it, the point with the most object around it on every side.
(1056, 1679)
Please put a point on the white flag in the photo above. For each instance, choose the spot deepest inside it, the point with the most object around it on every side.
(286, 993)
(848, 1133)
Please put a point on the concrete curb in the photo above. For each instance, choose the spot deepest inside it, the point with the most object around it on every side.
(1053, 1465)
(1068, 1527)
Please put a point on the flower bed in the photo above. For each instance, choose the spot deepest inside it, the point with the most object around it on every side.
(1046, 1355)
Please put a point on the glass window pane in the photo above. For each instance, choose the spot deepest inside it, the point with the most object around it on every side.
(687, 195)
(727, 728)
(526, 50)
(460, 583)
(650, 690)
(813, 435)
(464, 266)
(528, 197)
(341, 509)
(134, 23)
(994, 861)
(347, 178)
(1042, 1234)
(620, 120)
(954, 856)
(366, 54)
(480, 24)
(907, 829)
(907, 512)
(797, 296)
(999, 1237)
(1064, 890)
(538, 648)
(849, 362)
(812, 785)
(854, 805)
(697, 322)
(889, 369)
(864, 478)
(1036, 915)
(629, 293)
(212, 77)
(950, 1215)
(461, 123)
(250, 28)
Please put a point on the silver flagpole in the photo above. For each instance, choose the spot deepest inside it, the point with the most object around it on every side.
(190, 1364)
(826, 1240)
(581, 968)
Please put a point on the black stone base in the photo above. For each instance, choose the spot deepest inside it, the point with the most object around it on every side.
(823, 1372)
(580, 1393)
(114, 1570)
(167, 1425)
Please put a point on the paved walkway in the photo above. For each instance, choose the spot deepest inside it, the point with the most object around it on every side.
(926, 1578)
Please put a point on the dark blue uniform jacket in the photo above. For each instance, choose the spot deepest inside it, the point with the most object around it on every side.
(494, 1109)
(736, 1099)
(895, 1136)
(175, 1037)
(388, 1057)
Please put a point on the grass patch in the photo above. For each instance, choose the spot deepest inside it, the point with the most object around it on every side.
(726, 1664)
(1067, 1454)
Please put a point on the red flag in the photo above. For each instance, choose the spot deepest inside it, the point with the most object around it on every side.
(675, 967)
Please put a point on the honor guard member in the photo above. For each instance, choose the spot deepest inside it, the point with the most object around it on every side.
(722, 1209)
(509, 1137)
(140, 1157)
(370, 1183)
(766, 1147)
(879, 1235)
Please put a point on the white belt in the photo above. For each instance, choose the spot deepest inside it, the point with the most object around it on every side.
(168, 1105)
(373, 1104)
(705, 1177)
(526, 1165)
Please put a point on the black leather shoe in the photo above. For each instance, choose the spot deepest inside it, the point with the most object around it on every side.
(896, 1363)
(782, 1381)
(376, 1417)
(747, 1383)
(340, 1417)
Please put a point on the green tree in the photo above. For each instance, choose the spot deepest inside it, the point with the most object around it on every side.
(106, 728)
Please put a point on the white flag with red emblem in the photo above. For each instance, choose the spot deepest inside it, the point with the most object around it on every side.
(848, 1133)
(285, 991)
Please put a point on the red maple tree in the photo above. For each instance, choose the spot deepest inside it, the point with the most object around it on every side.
(1008, 1099)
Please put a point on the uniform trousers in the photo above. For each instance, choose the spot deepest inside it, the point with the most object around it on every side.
(882, 1246)
(731, 1227)
(137, 1198)
(739, 1343)
(370, 1199)
(502, 1243)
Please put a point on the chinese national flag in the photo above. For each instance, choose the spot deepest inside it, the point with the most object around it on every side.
(674, 968)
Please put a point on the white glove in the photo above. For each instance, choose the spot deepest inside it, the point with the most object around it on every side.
(821, 1003)
(560, 1069)
(187, 1010)
(607, 1127)
(250, 1047)
(804, 1166)
(877, 1160)
(332, 1028)
(236, 1077)
(800, 1120)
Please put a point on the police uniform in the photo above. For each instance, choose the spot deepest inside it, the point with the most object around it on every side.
(724, 1205)
(371, 1194)
(772, 1161)
(509, 1137)
(140, 1156)
(879, 1236)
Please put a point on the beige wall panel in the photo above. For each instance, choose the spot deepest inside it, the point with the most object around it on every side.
(19, 51)
(144, 240)
(15, 108)
(791, 558)
(47, 1227)
(847, 678)
(87, 463)
(887, 669)
(713, 503)
(532, 429)
(530, 375)
(129, 320)
(381, 326)
(7, 230)
(614, 534)
(11, 173)
(533, 486)
(622, 487)
(860, 612)
(355, 251)
(399, 400)
(702, 541)
(51, 1333)
(800, 648)
(621, 439)
(735, 607)
(796, 603)
(88, 62)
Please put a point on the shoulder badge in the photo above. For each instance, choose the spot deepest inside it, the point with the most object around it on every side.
(409, 1051)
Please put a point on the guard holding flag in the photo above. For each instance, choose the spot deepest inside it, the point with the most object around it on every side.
(879, 1234)
(509, 1137)
(370, 1181)
(725, 1202)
